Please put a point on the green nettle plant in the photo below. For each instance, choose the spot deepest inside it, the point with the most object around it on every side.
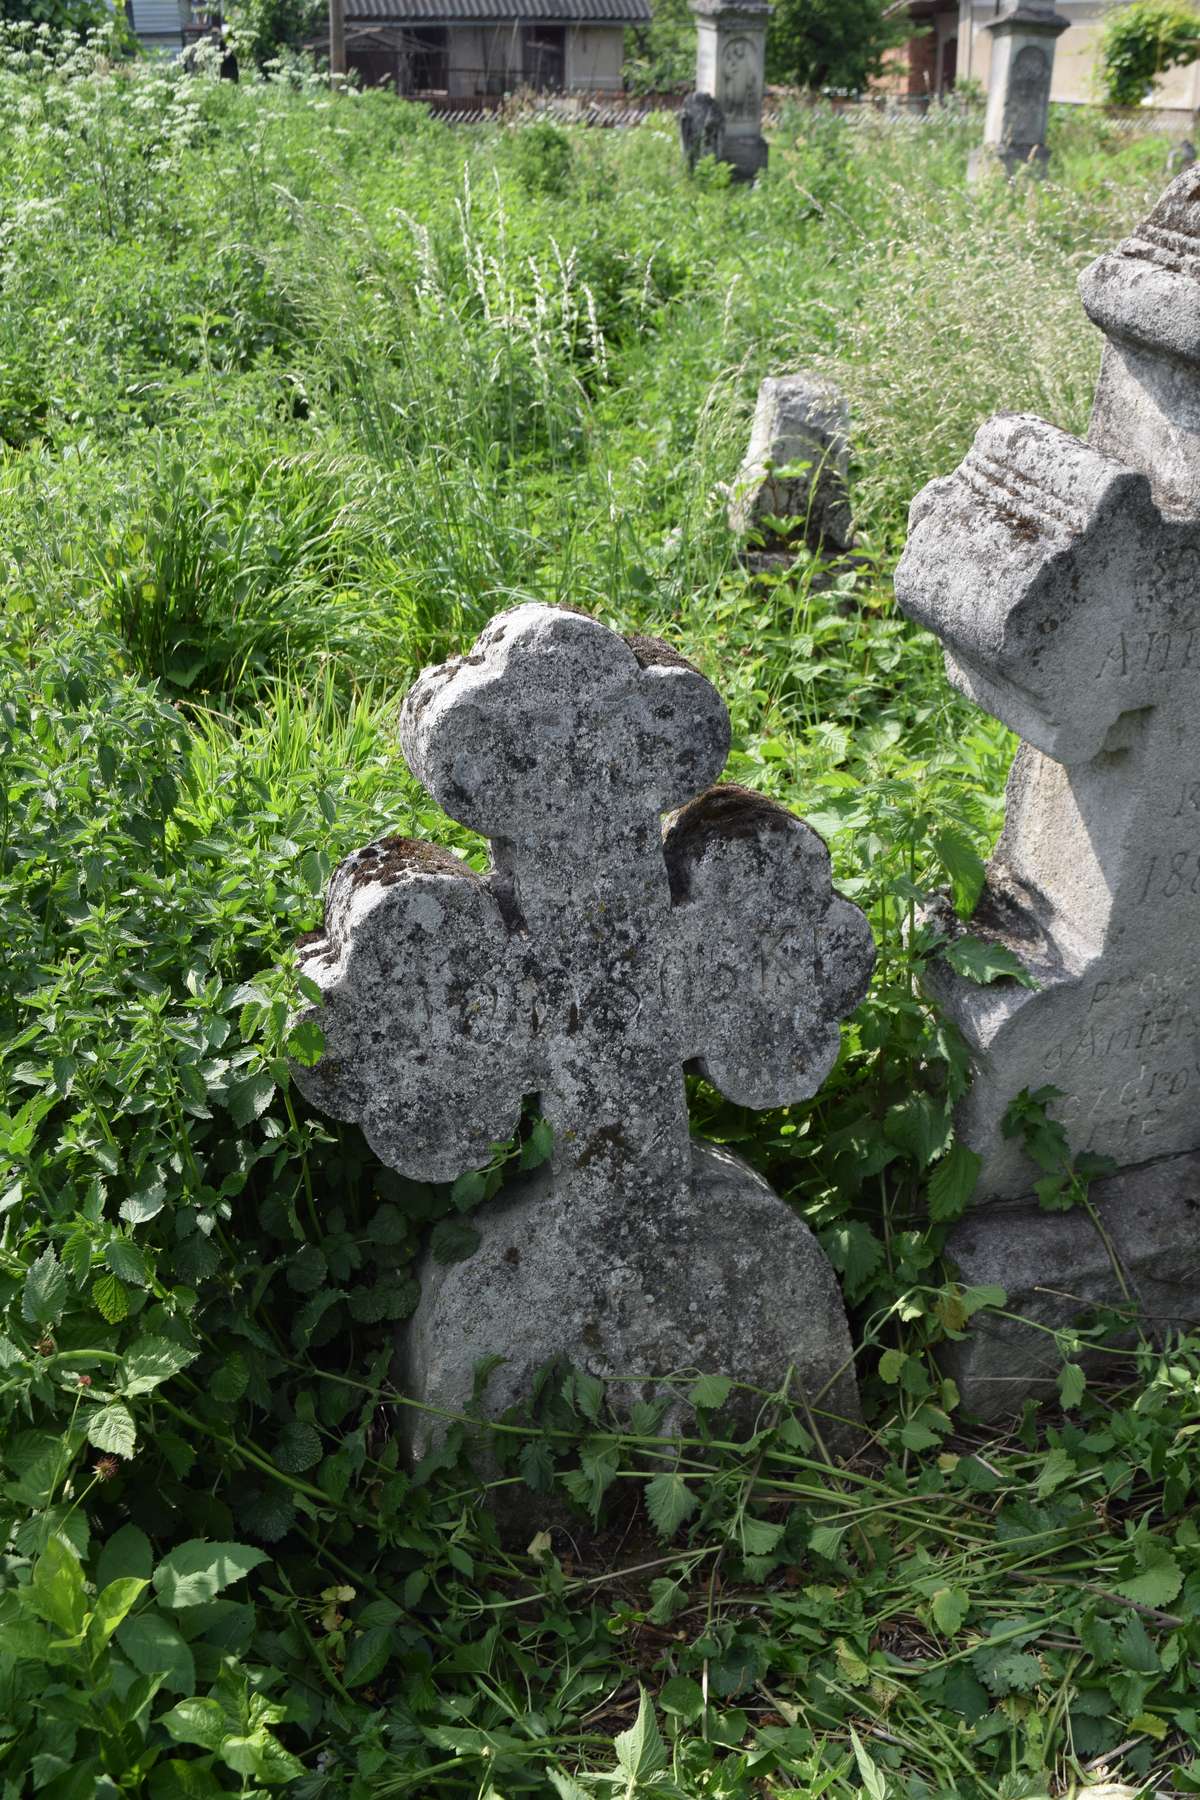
(1140, 42)
(293, 396)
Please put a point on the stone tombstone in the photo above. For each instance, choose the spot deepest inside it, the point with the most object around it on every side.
(701, 128)
(600, 954)
(1018, 101)
(1063, 578)
(798, 419)
(731, 39)
(1180, 156)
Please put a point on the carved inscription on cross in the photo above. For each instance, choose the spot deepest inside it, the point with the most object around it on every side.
(596, 957)
(1063, 579)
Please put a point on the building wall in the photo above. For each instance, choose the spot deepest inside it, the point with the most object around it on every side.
(484, 59)
(158, 24)
(595, 58)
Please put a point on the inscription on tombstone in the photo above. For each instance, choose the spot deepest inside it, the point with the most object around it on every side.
(730, 66)
(596, 958)
(1063, 579)
(1018, 102)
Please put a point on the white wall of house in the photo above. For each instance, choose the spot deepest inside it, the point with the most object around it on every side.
(1074, 55)
(484, 59)
(158, 24)
(595, 57)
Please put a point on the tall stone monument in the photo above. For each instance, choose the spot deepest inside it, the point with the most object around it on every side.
(598, 956)
(731, 48)
(1018, 101)
(1063, 579)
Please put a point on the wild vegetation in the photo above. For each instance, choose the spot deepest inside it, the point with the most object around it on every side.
(295, 393)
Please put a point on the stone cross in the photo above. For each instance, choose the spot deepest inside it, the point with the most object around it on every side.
(594, 960)
(731, 39)
(1018, 102)
(1063, 579)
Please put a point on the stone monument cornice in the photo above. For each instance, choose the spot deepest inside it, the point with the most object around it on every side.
(1030, 19)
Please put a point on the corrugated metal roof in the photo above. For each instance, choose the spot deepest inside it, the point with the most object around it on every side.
(453, 12)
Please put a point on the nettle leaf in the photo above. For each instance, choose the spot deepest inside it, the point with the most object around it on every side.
(111, 1298)
(368, 1655)
(247, 1100)
(453, 1240)
(197, 1571)
(669, 1501)
(920, 1126)
(1007, 1670)
(153, 1360)
(952, 1183)
(469, 1190)
(1158, 1582)
(112, 1430)
(127, 1262)
(44, 1293)
(231, 1380)
(1072, 1382)
(710, 1391)
(538, 1146)
(298, 1448)
(983, 962)
(306, 1043)
(949, 1607)
(640, 1751)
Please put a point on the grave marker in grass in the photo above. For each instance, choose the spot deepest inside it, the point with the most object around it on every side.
(1064, 580)
(596, 958)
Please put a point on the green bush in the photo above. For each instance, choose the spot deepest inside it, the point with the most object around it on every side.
(1140, 42)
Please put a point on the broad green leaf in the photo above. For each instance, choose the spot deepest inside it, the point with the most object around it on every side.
(111, 1298)
(298, 1448)
(306, 1043)
(682, 1697)
(565, 1786)
(891, 1365)
(640, 1751)
(758, 1537)
(453, 1240)
(55, 1590)
(126, 1552)
(1072, 1381)
(127, 1262)
(154, 1647)
(112, 1604)
(980, 961)
(247, 1100)
(112, 1429)
(197, 1571)
(710, 1391)
(44, 1293)
(260, 1755)
(368, 1655)
(1058, 1466)
(873, 1779)
(949, 1607)
(669, 1501)
(1156, 1585)
(153, 1360)
(953, 1182)
(199, 1721)
(538, 1146)
(468, 1190)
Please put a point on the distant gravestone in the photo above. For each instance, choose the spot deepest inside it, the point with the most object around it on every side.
(801, 423)
(701, 128)
(1018, 100)
(1181, 156)
(596, 958)
(1064, 580)
(731, 38)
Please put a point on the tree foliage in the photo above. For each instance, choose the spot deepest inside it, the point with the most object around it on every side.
(1140, 42)
(831, 44)
(62, 15)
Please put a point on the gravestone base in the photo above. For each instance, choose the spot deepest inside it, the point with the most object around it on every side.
(1055, 1267)
(725, 1278)
(746, 155)
(1009, 158)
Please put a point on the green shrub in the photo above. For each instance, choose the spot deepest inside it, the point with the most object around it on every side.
(1140, 42)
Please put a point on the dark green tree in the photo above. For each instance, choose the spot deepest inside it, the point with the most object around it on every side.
(1141, 42)
(831, 44)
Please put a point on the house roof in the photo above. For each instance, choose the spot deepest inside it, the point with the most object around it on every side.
(542, 12)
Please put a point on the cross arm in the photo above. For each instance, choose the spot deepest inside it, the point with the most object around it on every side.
(1029, 562)
(775, 957)
(424, 1046)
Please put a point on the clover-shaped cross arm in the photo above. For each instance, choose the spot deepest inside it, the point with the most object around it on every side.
(774, 956)
(423, 1039)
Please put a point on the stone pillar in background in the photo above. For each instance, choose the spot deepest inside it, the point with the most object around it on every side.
(731, 50)
(800, 422)
(1018, 102)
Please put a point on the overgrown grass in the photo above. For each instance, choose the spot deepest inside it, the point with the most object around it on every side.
(294, 395)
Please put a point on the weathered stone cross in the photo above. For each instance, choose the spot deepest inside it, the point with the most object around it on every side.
(1064, 580)
(589, 965)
